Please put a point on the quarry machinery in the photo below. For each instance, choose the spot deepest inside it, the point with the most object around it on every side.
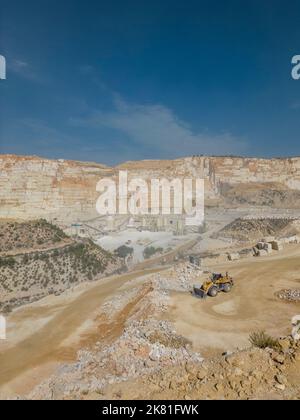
(215, 284)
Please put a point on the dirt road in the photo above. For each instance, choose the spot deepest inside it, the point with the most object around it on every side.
(49, 326)
(225, 322)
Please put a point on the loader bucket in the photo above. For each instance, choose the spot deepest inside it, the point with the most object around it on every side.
(199, 293)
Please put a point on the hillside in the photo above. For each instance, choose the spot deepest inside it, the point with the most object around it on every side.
(252, 230)
(38, 234)
(42, 260)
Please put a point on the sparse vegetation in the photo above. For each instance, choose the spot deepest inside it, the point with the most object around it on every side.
(29, 276)
(262, 340)
(16, 236)
(7, 262)
(245, 230)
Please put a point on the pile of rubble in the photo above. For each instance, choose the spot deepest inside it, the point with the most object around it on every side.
(144, 348)
(291, 295)
(244, 230)
(179, 278)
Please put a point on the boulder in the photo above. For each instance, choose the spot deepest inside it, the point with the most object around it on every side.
(285, 344)
(262, 253)
(268, 239)
(278, 358)
(154, 355)
(280, 379)
(238, 372)
(219, 387)
(276, 245)
(190, 368)
(268, 248)
(233, 256)
(201, 374)
(296, 327)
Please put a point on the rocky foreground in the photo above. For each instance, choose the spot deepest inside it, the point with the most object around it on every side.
(250, 374)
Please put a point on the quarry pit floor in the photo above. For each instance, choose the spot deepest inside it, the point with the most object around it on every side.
(224, 323)
(45, 334)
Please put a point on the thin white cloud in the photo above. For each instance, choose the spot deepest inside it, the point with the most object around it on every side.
(157, 128)
(23, 69)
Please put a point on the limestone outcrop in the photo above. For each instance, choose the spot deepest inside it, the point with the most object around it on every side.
(32, 187)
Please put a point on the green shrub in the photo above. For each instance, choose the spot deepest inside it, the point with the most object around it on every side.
(123, 251)
(7, 262)
(25, 259)
(151, 250)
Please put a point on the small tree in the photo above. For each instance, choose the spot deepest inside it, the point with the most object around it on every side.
(124, 251)
(150, 251)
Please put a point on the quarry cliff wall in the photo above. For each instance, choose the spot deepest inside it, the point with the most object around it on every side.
(32, 187)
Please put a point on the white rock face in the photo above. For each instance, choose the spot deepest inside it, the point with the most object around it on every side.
(32, 187)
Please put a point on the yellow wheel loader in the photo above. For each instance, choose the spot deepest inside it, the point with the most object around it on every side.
(216, 283)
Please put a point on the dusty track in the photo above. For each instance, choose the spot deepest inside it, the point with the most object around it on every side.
(48, 345)
(224, 323)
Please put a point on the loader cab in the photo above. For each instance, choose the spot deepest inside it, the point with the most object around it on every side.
(216, 276)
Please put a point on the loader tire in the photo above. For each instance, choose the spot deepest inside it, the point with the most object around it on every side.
(213, 291)
(227, 288)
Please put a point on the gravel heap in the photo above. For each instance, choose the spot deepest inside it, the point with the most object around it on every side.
(291, 295)
(179, 278)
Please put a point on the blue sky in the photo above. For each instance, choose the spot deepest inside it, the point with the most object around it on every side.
(110, 81)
